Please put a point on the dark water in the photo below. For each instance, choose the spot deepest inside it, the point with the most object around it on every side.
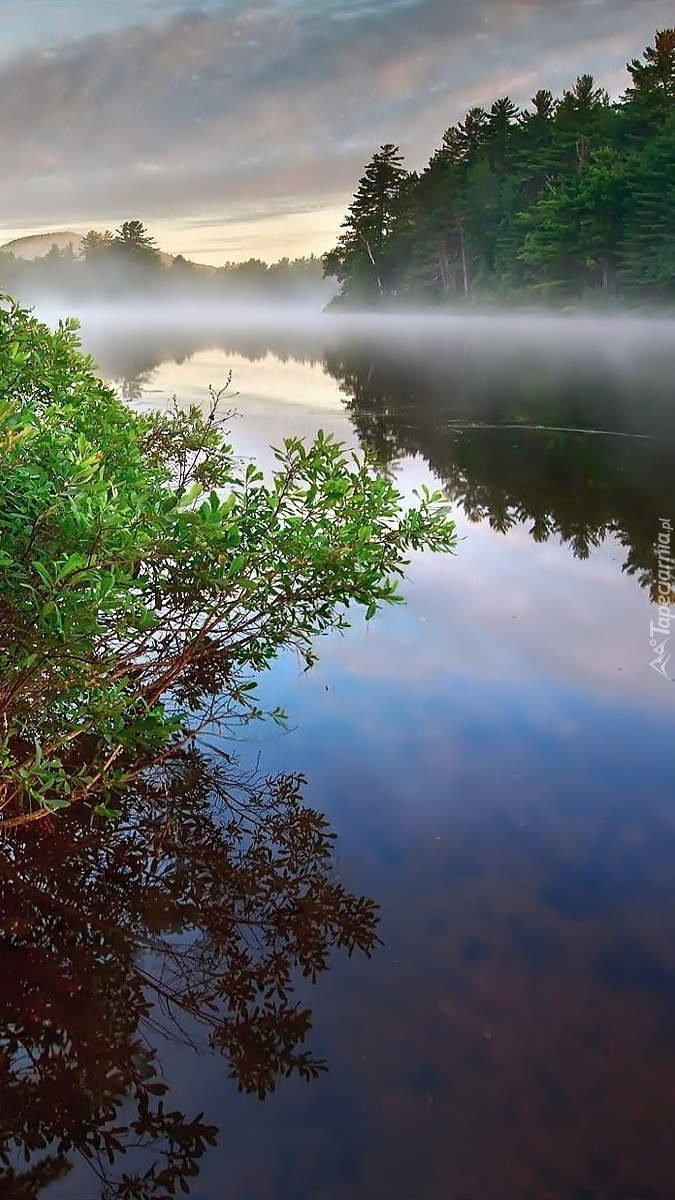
(497, 762)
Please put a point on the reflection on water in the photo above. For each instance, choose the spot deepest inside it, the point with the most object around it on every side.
(498, 761)
(198, 914)
(578, 452)
(567, 426)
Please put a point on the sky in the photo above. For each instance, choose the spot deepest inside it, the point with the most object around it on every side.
(239, 128)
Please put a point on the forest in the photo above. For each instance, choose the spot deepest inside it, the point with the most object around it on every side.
(570, 200)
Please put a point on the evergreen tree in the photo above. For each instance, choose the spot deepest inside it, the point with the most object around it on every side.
(649, 251)
(501, 124)
(94, 245)
(543, 109)
(361, 251)
(473, 132)
(133, 238)
(433, 264)
(653, 79)
(577, 228)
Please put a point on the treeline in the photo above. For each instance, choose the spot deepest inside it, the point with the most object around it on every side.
(108, 265)
(570, 199)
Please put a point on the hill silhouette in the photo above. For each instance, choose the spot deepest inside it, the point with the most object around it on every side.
(37, 245)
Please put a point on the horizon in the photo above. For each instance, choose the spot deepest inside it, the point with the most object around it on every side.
(240, 130)
(10, 237)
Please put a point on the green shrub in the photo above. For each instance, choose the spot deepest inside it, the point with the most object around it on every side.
(145, 579)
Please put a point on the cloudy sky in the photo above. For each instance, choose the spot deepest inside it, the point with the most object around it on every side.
(240, 127)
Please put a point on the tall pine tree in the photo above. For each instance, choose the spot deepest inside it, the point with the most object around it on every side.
(359, 261)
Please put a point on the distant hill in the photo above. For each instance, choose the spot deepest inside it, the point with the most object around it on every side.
(27, 270)
(36, 245)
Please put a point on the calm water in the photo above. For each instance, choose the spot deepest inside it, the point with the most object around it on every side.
(497, 761)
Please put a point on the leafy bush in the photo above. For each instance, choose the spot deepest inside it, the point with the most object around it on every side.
(142, 574)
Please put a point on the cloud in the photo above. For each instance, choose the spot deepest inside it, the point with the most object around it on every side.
(230, 108)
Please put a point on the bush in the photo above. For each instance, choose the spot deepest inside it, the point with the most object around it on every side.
(143, 575)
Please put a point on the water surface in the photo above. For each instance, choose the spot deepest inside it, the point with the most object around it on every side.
(496, 759)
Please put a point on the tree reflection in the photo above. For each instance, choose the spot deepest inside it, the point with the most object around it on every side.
(576, 452)
(201, 909)
(545, 435)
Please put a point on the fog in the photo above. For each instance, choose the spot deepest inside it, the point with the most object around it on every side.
(618, 339)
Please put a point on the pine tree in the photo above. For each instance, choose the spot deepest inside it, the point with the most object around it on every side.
(473, 132)
(133, 238)
(653, 89)
(501, 125)
(649, 254)
(360, 259)
(95, 244)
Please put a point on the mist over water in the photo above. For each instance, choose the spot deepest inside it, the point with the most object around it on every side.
(608, 330)
(636, 350)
